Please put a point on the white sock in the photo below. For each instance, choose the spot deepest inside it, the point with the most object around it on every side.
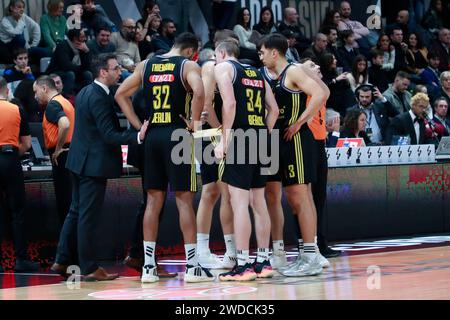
(300, 248)
(203, 243)
(191, 256)
(230, 245)
(310, 250)
(242, 257)
(149, 253)
(263, 254)
(278, 247)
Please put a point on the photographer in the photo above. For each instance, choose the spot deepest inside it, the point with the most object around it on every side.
(378, 110)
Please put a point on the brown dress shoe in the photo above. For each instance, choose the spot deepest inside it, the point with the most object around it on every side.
(134, 263)
(60, 269)
(100, 275)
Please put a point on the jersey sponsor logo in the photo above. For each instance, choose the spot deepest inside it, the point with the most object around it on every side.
(253, 83)
(163, 67)
(158, 78)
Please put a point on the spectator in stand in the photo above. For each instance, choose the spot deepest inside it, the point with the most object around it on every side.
(441, 116)
(127, 50)
(247, 38)
(384, 44)
(355, 122)
(348, 52)
(397, 94)
(341, 96)
(53, 24)
(165, 40)
(317, 49)
(71, 61)
(291, 22)
(94, 17)
(402, 22)
(17, 30)
(332, 36)
(359, 31)
(291, 53)
(266, 24)
(430, 75)
(60, 86)
(400, 49)
(149, 25)
(377, 75)
(102, 42)
(20, 81)
(332, 19)
(433, 20)
(445, 86)
(390, 9)
(20, 70)
(416, 56)
(243, 29)
(378, 111)
(359, 74)
(441, 47)
(333, 125)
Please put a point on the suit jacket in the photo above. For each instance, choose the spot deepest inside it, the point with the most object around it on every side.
(402, 125)
(445, 126)
(95, 148)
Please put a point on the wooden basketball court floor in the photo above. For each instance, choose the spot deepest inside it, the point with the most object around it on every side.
(413, 271)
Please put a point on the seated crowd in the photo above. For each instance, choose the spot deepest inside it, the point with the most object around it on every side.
(375, 76)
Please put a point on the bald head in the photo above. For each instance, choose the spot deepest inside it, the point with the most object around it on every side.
(403, 17)
(290, 15)
(345, 9)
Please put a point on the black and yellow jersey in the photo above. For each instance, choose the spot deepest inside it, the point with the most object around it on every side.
(165, 92)
(293, 103)
(249, 91)
(273, 82)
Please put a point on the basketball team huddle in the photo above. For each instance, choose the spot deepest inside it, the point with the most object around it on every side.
(279, 109)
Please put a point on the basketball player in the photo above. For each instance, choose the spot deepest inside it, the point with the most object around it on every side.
(245, 102)
(297, 149)
(170, 81)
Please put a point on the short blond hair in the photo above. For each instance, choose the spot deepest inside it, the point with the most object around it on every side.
(444, 75)
(420, 97)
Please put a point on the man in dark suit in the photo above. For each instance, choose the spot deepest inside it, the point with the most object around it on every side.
(440, 117)
(410, 123)
(378, 111)
(94, 156)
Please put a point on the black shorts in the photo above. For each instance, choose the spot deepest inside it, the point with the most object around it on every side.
(209, 172)
(161, 169)
(298, 158)
(274, 176)
(246, 174)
